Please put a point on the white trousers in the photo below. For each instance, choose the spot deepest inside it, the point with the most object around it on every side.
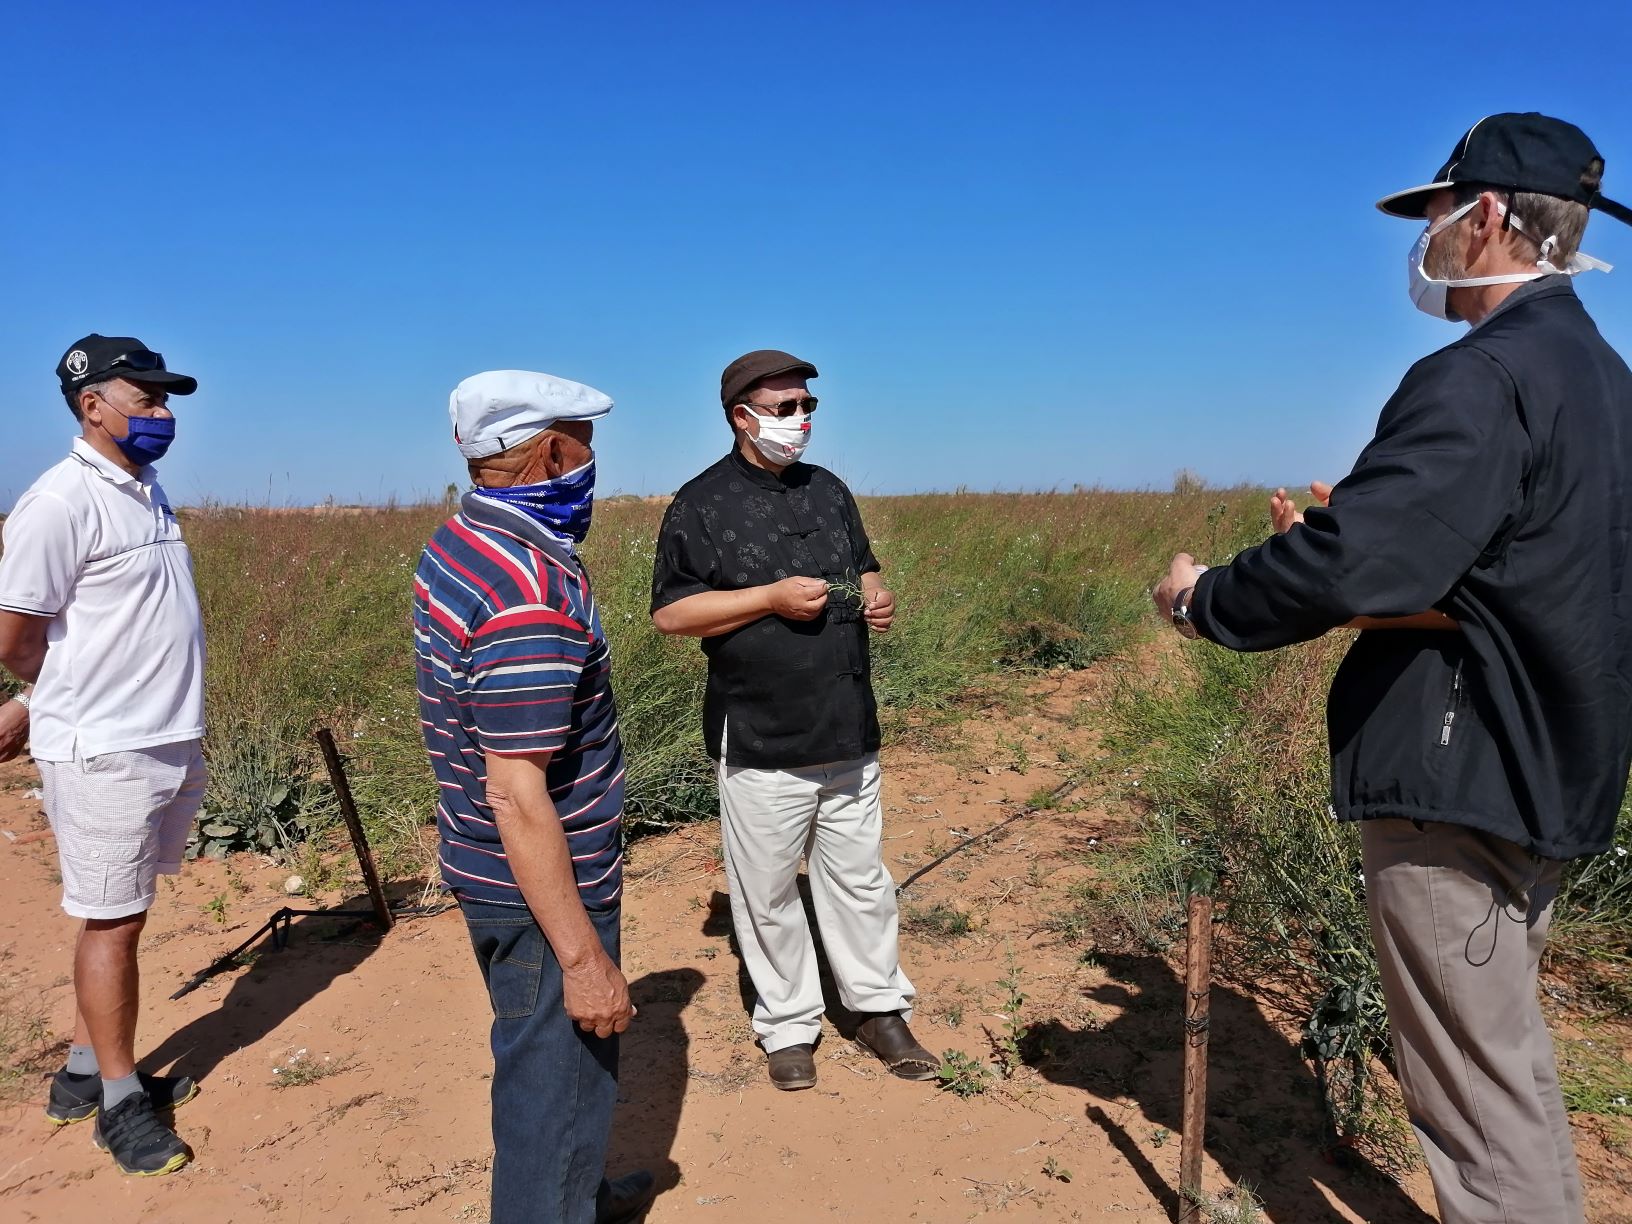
(832, 815)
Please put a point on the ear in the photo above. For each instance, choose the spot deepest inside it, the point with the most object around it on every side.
(553, 453)
(1492, 215)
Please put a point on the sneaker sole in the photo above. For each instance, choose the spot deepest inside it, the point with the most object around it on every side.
(170, 1166)
(61, 1120)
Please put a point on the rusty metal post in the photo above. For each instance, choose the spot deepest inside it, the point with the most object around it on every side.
(1198, 973)
(359, 842)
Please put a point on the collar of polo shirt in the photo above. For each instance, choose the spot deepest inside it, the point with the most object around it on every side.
(104, 466)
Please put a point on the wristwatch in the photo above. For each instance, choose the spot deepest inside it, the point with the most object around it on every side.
(1181, 609)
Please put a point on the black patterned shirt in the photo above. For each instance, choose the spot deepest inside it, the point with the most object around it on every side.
(781, 694)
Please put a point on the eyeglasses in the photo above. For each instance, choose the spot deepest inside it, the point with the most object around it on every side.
(145, 361)
(784, 408)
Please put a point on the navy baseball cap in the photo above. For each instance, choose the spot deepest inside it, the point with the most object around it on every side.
(1517, 152)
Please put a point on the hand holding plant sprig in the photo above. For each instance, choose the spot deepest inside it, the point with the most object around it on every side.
(876, 603)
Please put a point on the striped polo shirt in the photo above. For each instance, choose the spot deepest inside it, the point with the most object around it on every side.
(512, 662)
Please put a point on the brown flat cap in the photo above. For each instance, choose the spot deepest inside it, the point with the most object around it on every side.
(750, 368)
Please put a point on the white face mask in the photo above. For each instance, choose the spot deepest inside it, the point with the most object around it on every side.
(1432, 297)
(782, 439)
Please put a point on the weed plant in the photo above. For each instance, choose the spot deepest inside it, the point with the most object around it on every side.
(938, 921)
(1009, 1041)
(964, 1075)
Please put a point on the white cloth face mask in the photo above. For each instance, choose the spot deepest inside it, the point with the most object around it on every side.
(1431, 295)
(782, 439)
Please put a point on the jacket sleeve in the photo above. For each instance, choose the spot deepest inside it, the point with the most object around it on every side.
(1429, 492)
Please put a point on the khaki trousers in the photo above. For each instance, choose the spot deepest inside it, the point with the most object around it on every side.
(1460, 919)
(832, 816)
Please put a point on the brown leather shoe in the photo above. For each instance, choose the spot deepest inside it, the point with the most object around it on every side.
(889, 1038)
(793, 1067)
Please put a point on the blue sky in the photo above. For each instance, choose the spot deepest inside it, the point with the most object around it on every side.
(1029, 245)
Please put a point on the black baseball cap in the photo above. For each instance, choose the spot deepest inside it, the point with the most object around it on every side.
(1517, 152)
(756, 366)
(97, 358)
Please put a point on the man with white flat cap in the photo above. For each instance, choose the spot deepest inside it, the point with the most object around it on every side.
(1481, 729)
(516, 705)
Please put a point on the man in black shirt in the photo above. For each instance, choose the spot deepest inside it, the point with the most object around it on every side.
(765, 559)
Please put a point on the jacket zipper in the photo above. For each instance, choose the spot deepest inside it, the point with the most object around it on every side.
(1450, 707)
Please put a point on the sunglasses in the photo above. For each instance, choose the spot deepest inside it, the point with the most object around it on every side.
(783, 408)
(145, 361)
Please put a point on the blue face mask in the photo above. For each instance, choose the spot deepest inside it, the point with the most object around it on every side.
(146, 439)
(562, 506)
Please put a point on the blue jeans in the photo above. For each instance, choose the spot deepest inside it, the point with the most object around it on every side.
(554, 1085)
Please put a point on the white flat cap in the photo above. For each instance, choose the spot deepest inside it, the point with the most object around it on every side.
(499, 409)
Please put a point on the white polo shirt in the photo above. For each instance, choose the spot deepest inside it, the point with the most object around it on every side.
(99, 551)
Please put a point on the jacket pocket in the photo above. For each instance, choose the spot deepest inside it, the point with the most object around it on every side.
(1453, 705)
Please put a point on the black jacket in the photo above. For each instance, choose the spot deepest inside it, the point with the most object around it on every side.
(1495, 490)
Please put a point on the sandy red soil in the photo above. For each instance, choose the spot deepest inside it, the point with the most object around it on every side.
(400, 1130)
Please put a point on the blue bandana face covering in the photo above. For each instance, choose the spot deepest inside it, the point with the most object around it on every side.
(147, 439)
(562, 506)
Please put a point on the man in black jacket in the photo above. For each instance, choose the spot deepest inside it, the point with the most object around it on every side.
(1483, 754)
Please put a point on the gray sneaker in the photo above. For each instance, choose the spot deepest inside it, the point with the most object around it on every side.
(76, 1098)
(139, 1143)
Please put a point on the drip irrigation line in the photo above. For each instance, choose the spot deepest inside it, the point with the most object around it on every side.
(1064, 788)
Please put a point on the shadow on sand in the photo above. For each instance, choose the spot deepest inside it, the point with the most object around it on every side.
(1265, 1120)
(654, 1069)
(274, 987)
(718, 923)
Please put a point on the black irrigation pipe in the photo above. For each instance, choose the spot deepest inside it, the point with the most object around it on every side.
(1063, 789)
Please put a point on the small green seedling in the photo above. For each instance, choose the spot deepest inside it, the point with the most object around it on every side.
(963, 1075)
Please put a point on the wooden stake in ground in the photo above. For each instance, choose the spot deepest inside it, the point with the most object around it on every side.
(359, 840)
(1198, 974)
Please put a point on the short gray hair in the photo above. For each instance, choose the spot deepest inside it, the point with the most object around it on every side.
(96, 388)
(1544, 216)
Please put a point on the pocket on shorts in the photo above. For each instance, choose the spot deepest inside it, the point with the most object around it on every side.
(104, 871)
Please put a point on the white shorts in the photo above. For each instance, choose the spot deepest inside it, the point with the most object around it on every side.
(122, 820)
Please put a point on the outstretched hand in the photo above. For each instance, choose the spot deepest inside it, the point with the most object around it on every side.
(1284, 513)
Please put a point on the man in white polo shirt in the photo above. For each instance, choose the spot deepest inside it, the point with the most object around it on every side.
(99, 615)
